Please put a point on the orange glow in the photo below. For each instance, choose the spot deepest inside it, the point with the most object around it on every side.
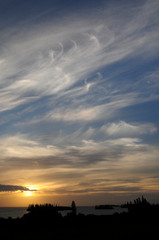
(28, 193)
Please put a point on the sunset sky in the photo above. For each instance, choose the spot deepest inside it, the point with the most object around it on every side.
(79, 101)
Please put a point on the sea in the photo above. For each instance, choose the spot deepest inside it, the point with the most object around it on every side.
(15, 212)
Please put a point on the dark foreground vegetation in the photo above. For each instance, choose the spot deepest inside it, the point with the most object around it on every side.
(45, 222)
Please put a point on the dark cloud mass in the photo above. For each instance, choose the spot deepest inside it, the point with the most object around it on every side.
(13, 188)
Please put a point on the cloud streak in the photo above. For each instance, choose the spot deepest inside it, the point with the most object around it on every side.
(125, 129)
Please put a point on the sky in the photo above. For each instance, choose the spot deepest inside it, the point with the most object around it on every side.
(79, 101)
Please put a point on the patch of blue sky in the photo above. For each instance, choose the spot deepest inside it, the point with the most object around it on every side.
(143, 112)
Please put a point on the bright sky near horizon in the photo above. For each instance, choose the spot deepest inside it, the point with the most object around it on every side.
(79, 101)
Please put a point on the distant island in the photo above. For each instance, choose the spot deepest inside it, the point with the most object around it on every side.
(104, 206)
(45, 206)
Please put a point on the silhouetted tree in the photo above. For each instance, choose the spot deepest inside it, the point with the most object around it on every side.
(74, 209)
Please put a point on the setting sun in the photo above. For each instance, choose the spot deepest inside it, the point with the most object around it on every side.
(28, 193)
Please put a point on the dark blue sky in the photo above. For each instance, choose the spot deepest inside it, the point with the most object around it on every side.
(79, 93)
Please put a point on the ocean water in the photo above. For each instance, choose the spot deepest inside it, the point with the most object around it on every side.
(15, 212)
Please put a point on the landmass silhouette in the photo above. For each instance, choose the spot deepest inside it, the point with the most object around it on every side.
(46, 222)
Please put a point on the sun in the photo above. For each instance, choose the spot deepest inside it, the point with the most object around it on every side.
(28, 193)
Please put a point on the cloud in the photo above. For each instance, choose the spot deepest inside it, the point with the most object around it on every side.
(14, 188)
(152, 80)
(19, 146)
(126, 129)
(98, 190)
(92, 113)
